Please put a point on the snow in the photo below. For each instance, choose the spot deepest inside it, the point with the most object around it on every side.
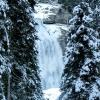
(76, 9)
(80, 29)
(52, 94)
(87, 19)
(97, 56)
(98, 81)
(73, 20)
(3, 63)
(90, 10)
(3, 5)
(43, 10)
(97, 9)
(95, 93)
(85, 68)
(2, 67)
(67, 54)
(79, 85)
(7, 38)
(86, 37)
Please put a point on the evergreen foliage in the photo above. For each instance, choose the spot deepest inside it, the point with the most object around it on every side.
(70, 4)
(81, 76)
(19, 73)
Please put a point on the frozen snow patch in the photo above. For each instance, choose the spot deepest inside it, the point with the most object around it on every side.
(52, 94)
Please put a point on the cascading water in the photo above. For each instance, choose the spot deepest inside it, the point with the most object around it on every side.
(49, 56)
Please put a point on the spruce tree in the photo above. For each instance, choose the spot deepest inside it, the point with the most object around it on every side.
(18, 55)
(96, 17)
(70, 4)
(81, 76)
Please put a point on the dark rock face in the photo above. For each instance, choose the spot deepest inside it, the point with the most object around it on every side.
(50, 19)
(63, 16)
(19, 72)
(63, 40)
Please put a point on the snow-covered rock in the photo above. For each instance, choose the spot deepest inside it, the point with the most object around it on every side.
(52, 13)
(43, 10)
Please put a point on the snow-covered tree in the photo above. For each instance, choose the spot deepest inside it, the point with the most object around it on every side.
(19, 73)
(96, 18)
(81, 76)
(69, 4)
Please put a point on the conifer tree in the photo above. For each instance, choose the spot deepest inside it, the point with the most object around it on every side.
(96, 17)
(81, 76)
(18, 55)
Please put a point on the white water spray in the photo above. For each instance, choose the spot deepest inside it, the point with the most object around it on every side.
(50, 57)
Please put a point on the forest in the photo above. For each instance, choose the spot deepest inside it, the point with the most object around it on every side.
(49, 49)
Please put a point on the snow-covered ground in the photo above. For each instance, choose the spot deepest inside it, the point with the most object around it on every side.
(52, 94)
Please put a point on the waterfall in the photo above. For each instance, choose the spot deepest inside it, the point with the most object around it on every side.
(49, 56)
